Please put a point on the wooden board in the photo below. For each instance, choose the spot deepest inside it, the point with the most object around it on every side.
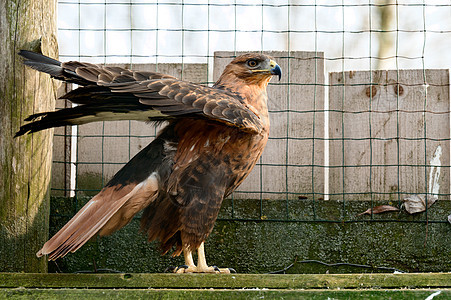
(389, 134)
(285, 169)
(226, 281)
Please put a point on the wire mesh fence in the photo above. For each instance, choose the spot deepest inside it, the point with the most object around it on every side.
(357, 139)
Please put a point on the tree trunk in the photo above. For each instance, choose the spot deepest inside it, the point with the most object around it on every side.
(25, 162)
(387, 51)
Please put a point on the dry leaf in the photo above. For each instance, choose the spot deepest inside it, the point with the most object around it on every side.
(417, 203)
(379, 209)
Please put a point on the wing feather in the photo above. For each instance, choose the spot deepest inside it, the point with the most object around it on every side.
(105, 88)
(85, 223)
(107, 212)
(210, 102)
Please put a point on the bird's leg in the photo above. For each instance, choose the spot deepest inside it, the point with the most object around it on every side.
(202, 266)
(189, 266)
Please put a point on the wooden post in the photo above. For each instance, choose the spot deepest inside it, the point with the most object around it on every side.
(25, 162)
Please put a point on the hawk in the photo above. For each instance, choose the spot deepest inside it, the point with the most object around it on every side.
(212, 139)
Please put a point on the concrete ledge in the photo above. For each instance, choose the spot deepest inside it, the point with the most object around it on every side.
(254, 236)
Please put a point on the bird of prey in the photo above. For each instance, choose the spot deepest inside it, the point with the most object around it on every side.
(212, 139)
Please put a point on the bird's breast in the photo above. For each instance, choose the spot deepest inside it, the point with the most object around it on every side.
(226, 148)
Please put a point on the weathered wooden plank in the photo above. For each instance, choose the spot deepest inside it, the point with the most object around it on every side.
(296, 105)
(103, 148)
(235, 281)
(386, 128)
(220, 294)
(25, 162)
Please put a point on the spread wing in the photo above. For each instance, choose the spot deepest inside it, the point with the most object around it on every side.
(113, 93)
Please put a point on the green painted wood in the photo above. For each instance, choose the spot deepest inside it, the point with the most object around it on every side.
(218, 281)
(25, 162)
(220, 294)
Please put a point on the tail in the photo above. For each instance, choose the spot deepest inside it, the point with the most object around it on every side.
(131, 190)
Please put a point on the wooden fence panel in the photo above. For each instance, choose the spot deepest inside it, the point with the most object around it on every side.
(387, 140)
(286, 163)
(389, 134)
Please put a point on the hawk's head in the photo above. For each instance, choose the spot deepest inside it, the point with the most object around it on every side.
(253, 68)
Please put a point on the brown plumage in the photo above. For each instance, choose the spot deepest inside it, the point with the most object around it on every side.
(213, 139)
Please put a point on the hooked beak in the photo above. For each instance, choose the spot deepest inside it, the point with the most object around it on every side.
(275, 69)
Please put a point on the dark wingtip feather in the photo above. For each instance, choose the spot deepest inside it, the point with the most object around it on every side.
(23, 130)
(19, 133)
(37, 57)
(35, 116)
(52, 70)
(36, 124)
(29, 127)
(42, 63)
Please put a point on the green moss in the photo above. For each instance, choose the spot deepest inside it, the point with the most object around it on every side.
(234, 286)
(89, 183)
(218, 294)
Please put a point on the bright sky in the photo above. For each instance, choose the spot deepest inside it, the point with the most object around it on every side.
(169, 31)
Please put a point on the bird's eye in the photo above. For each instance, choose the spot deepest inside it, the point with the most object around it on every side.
(252, 63)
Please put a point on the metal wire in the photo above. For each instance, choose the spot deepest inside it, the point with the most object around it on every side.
(334, 265)
(172, 25)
